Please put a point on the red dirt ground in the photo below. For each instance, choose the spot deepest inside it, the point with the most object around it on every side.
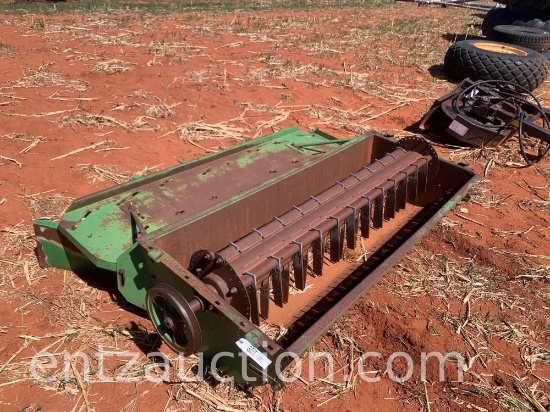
(256, 73)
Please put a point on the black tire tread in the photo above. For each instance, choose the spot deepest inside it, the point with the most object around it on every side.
(530, 37)
(528, 4)
(538, 14)
(504, 16)
(464, 60)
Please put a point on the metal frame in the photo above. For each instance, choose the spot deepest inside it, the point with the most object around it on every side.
(373, 180)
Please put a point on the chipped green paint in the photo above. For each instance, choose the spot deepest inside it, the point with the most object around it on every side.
(257, 154)
(169, 191)
(254, 336)
(134, 269)
(309, 158)
(102, 231)
(58, 253)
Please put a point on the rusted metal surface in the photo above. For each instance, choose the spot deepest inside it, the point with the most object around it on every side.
(176, 206)
(268, 255)
(261, 205)
(317, 319)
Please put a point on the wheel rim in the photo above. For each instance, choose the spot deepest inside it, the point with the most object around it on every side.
(500, 48)
(173, 319)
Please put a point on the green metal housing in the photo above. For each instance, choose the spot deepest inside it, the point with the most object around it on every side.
(146, 230)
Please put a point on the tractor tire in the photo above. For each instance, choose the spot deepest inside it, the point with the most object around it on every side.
(529, 37)
(540, 6)
(487, 60)
(538, 14)
(504, 16)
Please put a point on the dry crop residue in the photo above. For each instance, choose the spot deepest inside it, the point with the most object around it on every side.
(87, 101)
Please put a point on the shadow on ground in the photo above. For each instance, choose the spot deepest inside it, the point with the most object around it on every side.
(146, 341)
(454, 37)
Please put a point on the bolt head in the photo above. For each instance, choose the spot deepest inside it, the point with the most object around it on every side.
(169, 322)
